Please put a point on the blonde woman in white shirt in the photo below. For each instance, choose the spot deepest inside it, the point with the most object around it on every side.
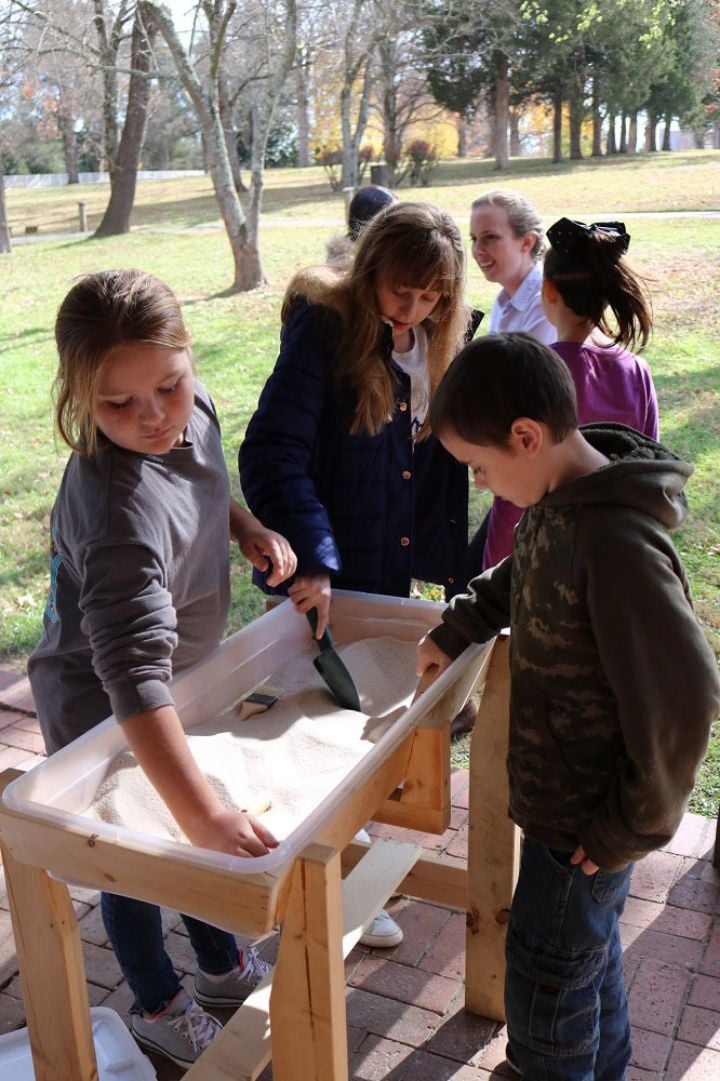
(508, 241)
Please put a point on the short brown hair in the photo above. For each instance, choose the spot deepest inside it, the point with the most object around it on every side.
(101, 312)
(498, 378)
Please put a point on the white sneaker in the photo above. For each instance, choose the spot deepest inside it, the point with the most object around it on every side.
(382, 933)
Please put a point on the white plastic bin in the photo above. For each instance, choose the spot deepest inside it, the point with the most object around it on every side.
(118, 1056)
(61, 788)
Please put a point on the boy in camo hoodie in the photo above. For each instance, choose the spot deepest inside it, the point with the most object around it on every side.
(613, 686)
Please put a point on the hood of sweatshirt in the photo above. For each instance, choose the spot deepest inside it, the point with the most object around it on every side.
(641, 474)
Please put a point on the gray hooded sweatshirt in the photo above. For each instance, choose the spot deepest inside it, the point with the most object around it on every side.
(613, 685)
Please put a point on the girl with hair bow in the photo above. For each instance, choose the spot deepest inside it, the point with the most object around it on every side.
(600, 310)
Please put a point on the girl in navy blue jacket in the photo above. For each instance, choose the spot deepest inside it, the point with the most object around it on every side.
(338, 455)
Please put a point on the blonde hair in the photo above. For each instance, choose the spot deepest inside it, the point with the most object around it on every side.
(101, 312)
(522, 216)
(408, 244)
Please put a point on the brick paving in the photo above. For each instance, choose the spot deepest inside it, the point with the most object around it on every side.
(406, 1020)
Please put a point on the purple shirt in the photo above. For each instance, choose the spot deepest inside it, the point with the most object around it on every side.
(610, 384)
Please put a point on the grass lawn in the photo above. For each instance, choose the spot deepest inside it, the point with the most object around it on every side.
(176, 235)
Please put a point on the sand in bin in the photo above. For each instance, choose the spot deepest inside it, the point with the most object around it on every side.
(297, 752)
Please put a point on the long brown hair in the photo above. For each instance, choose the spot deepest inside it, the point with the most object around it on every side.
(100, 312)
(408, 244)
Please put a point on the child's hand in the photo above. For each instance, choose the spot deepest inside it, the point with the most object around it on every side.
(314, 591)
(428, 654)
(264, 548)
(586, 864)
(233, 832)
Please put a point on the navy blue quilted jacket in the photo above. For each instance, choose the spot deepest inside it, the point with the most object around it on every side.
(371, 510)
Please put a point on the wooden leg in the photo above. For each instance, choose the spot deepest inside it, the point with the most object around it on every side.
(493, 845)
(423, 803)
(47, 940)
(307, 1003)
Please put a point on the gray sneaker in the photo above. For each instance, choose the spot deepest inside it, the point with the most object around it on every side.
(235, 987)
(180, 1032)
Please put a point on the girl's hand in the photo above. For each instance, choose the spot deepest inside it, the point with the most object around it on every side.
(313, 591)
(429, 654)
(233, 832)
(264, 548)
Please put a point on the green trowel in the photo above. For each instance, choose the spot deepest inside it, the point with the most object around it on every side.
(332, 668)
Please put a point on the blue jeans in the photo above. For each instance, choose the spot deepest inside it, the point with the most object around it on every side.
(135, 932)
(565, 1001)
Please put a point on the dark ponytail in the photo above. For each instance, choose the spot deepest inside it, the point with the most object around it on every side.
(586, 265)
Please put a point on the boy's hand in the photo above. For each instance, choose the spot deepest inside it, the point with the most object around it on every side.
(263, 548)
(428, 654)
(233, 832)
(313, 591)
(586, 864)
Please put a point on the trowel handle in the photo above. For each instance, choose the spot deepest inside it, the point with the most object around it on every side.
(326, 641)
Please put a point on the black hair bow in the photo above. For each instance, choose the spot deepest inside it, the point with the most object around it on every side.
(567, 236)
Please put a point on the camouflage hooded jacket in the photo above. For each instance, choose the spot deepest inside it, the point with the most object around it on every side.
(613, 685)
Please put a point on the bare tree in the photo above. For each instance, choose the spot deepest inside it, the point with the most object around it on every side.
(358, 46)
(201, 83)
(124, 163)
(110, 29)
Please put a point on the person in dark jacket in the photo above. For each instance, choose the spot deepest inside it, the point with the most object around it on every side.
(613, 685)
(339, 450)
(364, 205)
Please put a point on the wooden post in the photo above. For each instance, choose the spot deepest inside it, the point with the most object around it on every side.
(83, 218)
(47, 941)
(493, 845)
(307, 1002)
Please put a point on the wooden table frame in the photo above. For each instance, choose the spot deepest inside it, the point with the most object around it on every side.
(322, 913)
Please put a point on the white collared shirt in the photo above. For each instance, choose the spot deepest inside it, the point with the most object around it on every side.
(524, 310)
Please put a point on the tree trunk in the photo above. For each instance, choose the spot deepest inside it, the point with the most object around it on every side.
(666, 133)
(354, 64)
(576, 118)
(515, 145)
(596, 121)
(557, 126)
(302, 107)
(699, 137)
(109, 42)
(623, 134)
(632, 143)
(611, 144)
(352, 136)
(502, 109)
(392, 137)
(5, 243)
(226, 112)
(462, 136)
(70, 148)
(123, 175)
(651, 132)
